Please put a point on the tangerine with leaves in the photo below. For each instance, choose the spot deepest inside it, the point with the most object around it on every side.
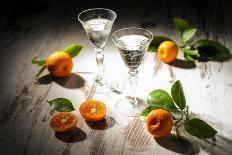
(159, 123)
(59, 64)
(167, 51)
(93, 110)
(63, 122)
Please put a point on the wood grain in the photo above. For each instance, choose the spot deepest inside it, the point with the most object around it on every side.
(30, 29)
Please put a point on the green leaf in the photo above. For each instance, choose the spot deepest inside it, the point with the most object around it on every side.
(157, 40)
(38, 62)
(178, 95)
(160, 98)
(73, 50)
(199, 128)
(40, 71)
(148, 110)
(190, 58)
(213, 50)
(189, 51)
(61, 105)
(188, 34)
(181, 24)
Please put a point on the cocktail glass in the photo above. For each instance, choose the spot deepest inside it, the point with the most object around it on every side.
(97, 23)
(132, 44)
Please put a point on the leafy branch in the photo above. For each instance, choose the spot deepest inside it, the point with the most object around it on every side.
(176, 103)
(194, 50)
(72, 49)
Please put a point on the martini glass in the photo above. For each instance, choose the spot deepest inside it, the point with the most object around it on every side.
(97, 24)
(132, 44)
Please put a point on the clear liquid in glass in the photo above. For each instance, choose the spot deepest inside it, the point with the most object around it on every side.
(132, 50)
(98, 30)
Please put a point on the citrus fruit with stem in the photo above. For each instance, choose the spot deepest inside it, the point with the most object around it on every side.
(167, 51)
(159, 123)
(59, 64)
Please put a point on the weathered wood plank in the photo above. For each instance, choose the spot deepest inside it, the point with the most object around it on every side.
(25, 115)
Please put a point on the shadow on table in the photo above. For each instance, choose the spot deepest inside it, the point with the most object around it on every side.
(222, 145)
(72, 81)
(77, 135)
(172, 143)
(183, 64)
(105, 124)
(141, 103)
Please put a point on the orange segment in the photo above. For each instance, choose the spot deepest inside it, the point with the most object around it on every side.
(92, 110)
(59, 64)
(159, 123)
(63, 122)
(167, 51)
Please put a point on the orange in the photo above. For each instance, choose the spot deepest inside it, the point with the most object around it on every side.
(159, 123)
(63, 122)
(92, 110)
(167, 51)
(59, 64)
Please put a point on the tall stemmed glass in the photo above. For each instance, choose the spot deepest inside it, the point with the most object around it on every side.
(132, 44)
(97, 24)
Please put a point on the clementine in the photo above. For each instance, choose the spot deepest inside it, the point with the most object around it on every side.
(92, 110)
(167, 51)
(59, 64)
(63, 122)
(159, 123)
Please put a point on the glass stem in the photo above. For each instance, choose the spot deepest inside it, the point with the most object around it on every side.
(133, 82)
(99, 59)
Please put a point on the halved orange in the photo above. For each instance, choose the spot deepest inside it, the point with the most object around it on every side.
(93, 110)
(63, 122)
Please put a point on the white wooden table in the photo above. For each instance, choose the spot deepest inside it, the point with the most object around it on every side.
(25, 115)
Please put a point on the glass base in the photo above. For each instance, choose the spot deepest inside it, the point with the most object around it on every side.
(103, 86)
(126, 107)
